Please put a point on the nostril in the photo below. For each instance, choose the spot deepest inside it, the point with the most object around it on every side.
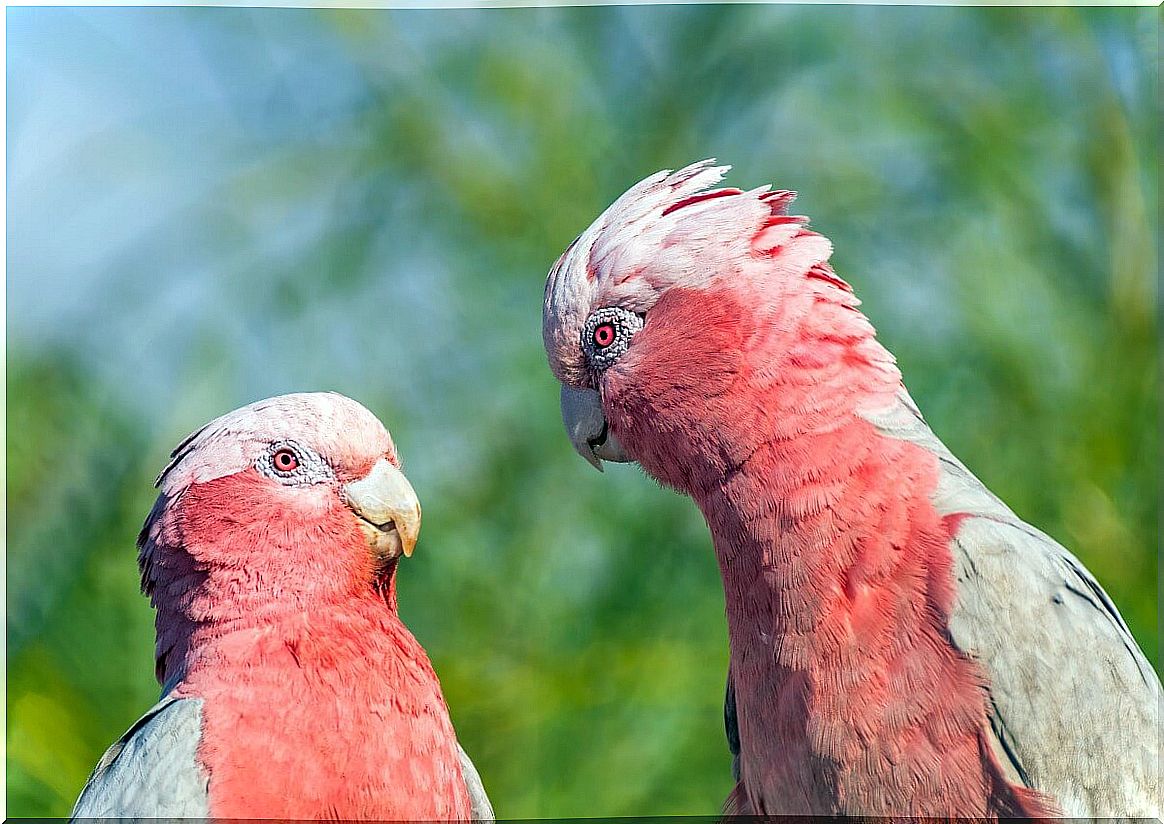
(386, 526)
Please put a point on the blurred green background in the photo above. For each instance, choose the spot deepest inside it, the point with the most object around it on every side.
(210, 206)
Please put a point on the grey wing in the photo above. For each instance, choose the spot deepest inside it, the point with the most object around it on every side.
(151, 771)
(731, 724)
(737, 803)
(1075, 706)
(480, 807)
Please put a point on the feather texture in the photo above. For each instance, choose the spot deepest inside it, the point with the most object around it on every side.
(294, 691)
(901, 643)
(1078, 667)
(152, 771)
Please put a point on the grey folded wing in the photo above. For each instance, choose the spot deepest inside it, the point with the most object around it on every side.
(481, 809)
(731, 724)
(1075, 705)
(151, 771)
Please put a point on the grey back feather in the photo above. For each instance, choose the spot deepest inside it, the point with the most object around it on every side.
(152, 770)
(731, 724)
(480, 807)
(1075, 705)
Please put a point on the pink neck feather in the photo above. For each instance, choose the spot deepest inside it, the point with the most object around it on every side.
(231, 554)
(836, 566)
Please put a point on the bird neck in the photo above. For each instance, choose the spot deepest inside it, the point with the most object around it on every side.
(346, 679)
(756, 399)
(818, 518)
(838, 579)
(829, 545)
(216, 606)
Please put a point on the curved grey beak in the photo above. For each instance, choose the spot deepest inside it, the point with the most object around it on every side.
(586, 426)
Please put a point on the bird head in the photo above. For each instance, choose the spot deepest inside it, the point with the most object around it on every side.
(670, 321)
(292, 499)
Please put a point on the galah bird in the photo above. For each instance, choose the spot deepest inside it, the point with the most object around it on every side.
(291, 688)
(901, 642)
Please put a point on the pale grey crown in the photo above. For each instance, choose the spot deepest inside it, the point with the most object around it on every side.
(337, 427)
(672, 229)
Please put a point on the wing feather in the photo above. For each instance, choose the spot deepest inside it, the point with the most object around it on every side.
(481, 809)
(737, 803)
(1075, 704)
(731, 724)
(151, 771)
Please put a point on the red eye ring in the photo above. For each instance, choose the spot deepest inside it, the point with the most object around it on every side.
(285, 460)
(604, 335)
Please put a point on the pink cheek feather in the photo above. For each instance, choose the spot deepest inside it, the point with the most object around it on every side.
(267, 541)
(669, 398)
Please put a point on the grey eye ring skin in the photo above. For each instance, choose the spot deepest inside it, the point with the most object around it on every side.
(624, 324)
(312, 469)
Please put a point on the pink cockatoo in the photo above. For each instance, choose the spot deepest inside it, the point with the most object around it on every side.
(291, 688)
(901, 642)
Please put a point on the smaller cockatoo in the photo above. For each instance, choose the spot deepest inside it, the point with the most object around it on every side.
(291, 688)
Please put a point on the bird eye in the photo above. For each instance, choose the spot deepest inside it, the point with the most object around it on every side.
(604, 335)
(293, 464)
(607, 334)
(285, 460)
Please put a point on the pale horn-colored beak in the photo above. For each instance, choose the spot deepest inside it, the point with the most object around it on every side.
(586, 426)
(387, 508)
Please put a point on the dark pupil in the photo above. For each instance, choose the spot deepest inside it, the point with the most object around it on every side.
(604, 335)
(285, 460)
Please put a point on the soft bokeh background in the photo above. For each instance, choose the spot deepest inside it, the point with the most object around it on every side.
(209, 206)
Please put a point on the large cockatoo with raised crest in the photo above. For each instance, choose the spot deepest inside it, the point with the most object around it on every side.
(901, 642)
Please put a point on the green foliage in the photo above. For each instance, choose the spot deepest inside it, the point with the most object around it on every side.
(208, 206)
